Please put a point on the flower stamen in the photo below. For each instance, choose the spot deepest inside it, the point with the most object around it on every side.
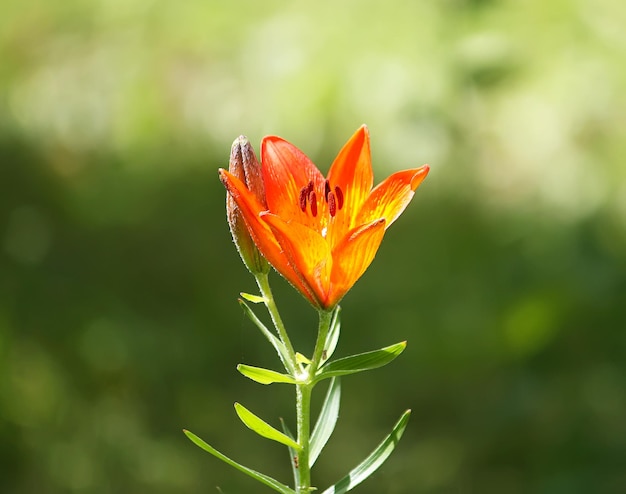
(302, 199)
(307, 193)
(327, 189)
(333, 199)
(313, 201)
(332, 204)
(339, 195)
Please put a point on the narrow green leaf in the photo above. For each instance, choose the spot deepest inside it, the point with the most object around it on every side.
(361, 362)
(293, 454)
(333, 336)
(373, 461)
(264, 479)
(255, 299)
(262, 428)
(264, 376)
(326, 421)
(283, 354)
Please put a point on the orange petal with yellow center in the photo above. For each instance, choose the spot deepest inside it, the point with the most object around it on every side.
(353, 256)
(389, 198)
(352, 170)
(307, 252)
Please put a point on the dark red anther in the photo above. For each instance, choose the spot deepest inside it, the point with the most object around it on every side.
(302, 198)
(326, 190)
(305, 194)
(313, 201)
(332, 205)
(339, 194)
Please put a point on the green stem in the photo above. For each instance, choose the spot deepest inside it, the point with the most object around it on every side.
(304, 388)
(326, 317)
(303, 417)
(262, 280)
(303, 405)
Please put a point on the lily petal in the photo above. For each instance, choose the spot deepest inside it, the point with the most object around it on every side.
(286, 170)
(308, 253)
(389, 198)
(353, 256)
(352, 170)
(352, 173)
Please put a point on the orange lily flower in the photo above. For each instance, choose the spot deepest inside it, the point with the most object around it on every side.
(321, 233)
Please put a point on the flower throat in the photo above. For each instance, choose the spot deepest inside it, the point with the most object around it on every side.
(332, 196)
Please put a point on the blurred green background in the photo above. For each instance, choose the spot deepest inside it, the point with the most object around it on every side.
(119, 324)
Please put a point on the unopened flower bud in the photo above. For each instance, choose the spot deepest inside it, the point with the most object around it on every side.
(246, 167)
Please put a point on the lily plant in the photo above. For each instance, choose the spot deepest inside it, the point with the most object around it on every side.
(321, 234)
